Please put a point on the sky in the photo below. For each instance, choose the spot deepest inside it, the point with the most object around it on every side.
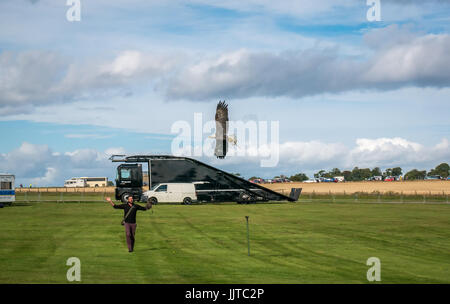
(345, 91)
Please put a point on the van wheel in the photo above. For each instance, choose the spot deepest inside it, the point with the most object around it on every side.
(153, 200)
(187, 201)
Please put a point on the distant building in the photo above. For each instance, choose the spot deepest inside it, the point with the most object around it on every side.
(86, 182)
(96, 181)
(75, 182)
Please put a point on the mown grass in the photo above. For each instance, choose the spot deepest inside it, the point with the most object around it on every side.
(375, 197)
(358, 197)
(320, 242)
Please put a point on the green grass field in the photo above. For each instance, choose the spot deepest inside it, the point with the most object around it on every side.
(290, 243)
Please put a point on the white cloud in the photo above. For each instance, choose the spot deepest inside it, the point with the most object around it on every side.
(49, 178)
(313, 153)
(396, 58)
(25, 76)
(84, 158)
(132, 63)
(422, 61)
(365, 145)
(39, 165)
(396, 62)
(39, 78)
(375, 152)
(312, 156)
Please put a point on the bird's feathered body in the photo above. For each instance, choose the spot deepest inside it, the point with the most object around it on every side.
(221, 130)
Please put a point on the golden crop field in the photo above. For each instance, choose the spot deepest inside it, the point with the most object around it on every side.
(67, 190)
(108, 189)
(405, 187)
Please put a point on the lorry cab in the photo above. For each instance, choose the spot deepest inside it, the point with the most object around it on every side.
(129, 181)
(171, 193)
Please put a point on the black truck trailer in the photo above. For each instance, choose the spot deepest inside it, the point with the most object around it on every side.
(211, 184)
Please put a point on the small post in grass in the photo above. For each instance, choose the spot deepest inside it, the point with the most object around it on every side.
(248, 236)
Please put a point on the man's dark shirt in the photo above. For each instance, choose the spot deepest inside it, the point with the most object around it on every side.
(131, 219)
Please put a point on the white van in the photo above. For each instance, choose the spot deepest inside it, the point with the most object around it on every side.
(171, 193)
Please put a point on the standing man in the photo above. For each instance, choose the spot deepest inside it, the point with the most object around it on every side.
(130, 209)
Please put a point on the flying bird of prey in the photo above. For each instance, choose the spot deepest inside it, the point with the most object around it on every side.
(221, 136)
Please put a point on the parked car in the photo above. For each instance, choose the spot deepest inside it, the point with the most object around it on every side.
(433, 177)
(281, 180)
(310, 181)
(172, 193)
(328, 180)
(389, 179)
(257, 181)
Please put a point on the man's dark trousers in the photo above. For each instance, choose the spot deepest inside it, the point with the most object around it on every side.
(130, 230)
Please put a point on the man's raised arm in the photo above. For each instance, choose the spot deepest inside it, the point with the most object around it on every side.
(108, 199)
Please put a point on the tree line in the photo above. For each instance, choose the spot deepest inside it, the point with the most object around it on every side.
(360, 174)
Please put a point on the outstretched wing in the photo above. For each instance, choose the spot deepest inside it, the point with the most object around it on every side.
(221, 129)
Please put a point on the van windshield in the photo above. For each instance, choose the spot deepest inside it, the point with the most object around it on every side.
(162, 188)
(154, 187)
